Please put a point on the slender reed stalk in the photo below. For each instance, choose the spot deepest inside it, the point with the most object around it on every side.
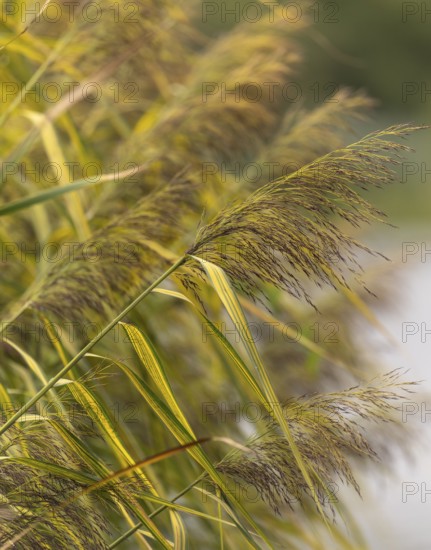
(137, 526)
(88, 347)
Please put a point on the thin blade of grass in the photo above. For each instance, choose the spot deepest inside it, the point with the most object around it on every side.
(52, 193)
(181, 432)
(233, 307)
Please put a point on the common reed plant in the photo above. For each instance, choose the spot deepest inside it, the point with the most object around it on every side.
(140, 408)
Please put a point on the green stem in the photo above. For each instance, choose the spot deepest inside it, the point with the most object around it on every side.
(136, 527)
(87, 348)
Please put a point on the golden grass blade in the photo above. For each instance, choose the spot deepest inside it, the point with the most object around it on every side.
(233, 307)
(181, 432)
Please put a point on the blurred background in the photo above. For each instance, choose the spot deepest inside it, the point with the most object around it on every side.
(389, 42)
(384, 47)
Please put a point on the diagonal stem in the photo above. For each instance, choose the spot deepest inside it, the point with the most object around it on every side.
(136, 527)
(87, 348)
